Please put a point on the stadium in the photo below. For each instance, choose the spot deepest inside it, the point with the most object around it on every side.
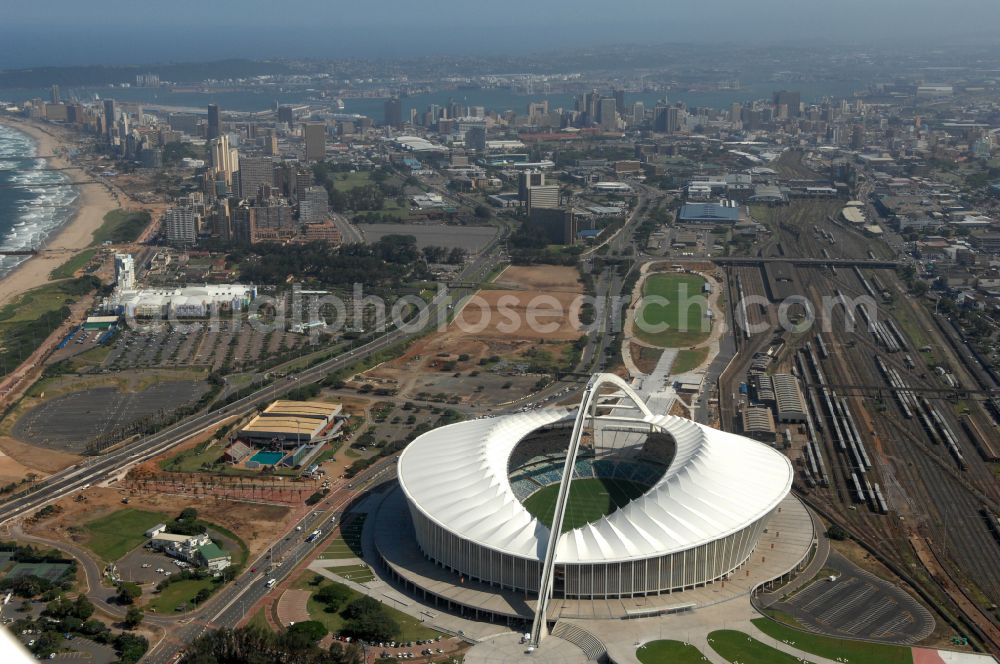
(658, 503)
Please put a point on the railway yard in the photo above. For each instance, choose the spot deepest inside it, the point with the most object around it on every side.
(897, 444)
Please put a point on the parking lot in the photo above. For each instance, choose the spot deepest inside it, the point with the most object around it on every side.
(141, 565)
(69, 422)
(859, 605)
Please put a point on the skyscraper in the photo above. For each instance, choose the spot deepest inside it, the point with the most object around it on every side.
(314, 136)
(619, 101)
(393, 112)
(791, 100)
(286, 115)
(608, 114)
(213, 121)
(55, 94)
(225, 160)
(109, 118)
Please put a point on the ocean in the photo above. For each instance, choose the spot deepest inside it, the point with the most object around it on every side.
(31, 209)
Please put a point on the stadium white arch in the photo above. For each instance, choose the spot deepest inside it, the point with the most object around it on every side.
(699, 520)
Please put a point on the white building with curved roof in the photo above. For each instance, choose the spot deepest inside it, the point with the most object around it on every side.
(704, 506)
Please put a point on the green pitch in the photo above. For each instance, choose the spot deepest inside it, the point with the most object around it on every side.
(589, 500)
(681, 309)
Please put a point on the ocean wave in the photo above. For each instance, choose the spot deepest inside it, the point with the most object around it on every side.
(40, 203)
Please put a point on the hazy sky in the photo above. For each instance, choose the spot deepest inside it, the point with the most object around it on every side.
(51, 32)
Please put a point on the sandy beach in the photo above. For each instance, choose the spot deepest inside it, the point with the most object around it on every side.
(75, 235)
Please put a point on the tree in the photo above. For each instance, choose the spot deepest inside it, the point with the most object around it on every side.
(835, 532)
(128, 592)
(202, 595)
(188, 514)
(333, 595)
(133, 617)
(483, 212)
(367, 619)
(302, 635)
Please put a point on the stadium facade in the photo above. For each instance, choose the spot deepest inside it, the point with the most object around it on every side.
(706, 498)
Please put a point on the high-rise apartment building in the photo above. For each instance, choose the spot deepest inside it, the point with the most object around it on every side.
(314, 136)
(314, 205)
(124, 272)
(181, 224)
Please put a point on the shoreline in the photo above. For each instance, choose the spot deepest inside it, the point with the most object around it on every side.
(72, 236)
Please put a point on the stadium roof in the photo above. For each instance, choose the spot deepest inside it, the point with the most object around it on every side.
(717, 484)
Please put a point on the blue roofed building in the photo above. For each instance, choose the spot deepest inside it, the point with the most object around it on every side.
(709, 213)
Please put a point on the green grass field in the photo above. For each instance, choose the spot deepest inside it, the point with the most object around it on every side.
(738, 647)
(410, 628)
(356, 573)
(347, 544)
(669, 652)
(114, 535)
(69, 268)
(121, 226)
(688, 359)
(589, 500)
(681, 310)
(179, 593)
(857, 652)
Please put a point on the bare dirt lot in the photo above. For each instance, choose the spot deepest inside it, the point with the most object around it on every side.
(546, 278)
(488, 353)
(254, 523)
(36, 459)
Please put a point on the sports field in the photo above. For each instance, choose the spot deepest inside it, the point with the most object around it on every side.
(589, 500)
(673, 312)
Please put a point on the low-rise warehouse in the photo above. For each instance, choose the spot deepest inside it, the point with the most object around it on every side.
(790, 405)
(292, 422)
